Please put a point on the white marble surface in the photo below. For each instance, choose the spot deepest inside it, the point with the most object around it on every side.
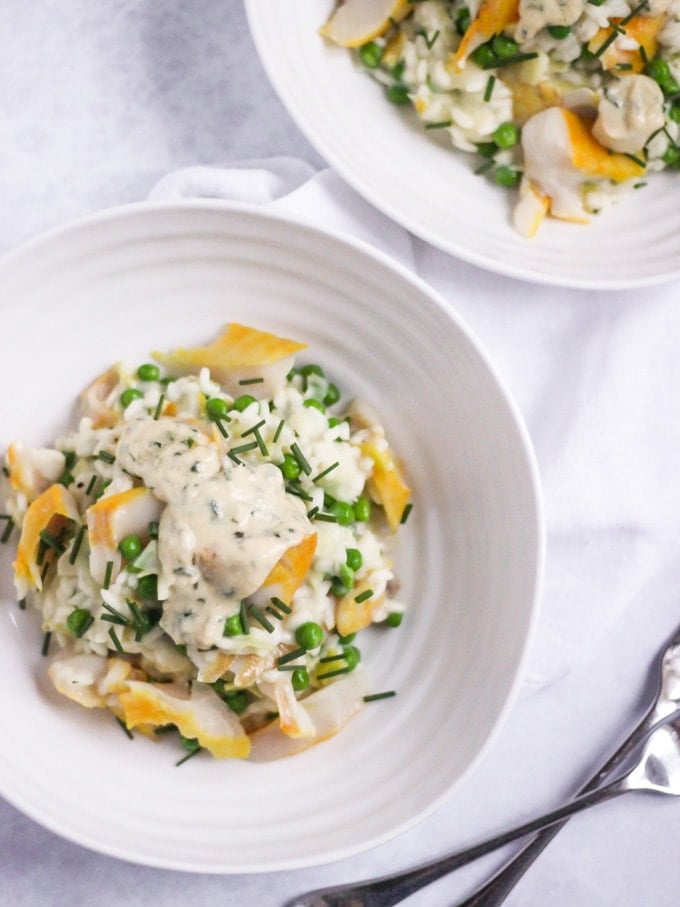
(97, 102)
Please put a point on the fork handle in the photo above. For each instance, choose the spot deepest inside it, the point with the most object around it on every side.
(497, 889)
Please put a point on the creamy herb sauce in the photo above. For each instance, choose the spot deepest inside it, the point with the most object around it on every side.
(222, 531)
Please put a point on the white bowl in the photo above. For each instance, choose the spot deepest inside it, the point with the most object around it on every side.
(116, 286)
(427, 187)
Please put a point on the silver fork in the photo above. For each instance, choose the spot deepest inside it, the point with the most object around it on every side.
(664, 707)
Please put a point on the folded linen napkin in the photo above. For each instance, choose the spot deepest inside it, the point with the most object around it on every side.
(594, 375)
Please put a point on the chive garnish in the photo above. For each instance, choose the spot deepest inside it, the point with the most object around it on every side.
(220, 427)
(51, 541)
(277, 615)
(243, 448)
(114, 616)
(47, 638)
(251, 381)
(373, 697)
(405, 513)
(107, 574)
(320, 475)
(497, 62)
(362, 596)
(253, 428)
(153, 529)
(326, 517)
(616, 31)
(327, 659)
(92, 483)
(334, 673)
(114, 639)
(488, 91)
(300, 458)
(188, 756)
(636, 160)
(159, 407)
(77, 542)
(244, 618)
(282, 606)
(126, 729)
(484, 167)
(261, 619)
(312, 513)
(8, 530)
(44, 572)
(643, 54)
(105, 456)
(292, 488)
(442, 124)
(22, 604)
(279, 429)
(290, 656)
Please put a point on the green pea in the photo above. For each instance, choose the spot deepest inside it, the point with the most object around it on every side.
(507, 177)
(343, 512)
(312, 369)
(462, 20)
(397, 94)
(504, 47)
(79, 621)
(147, 587)
(507, 135)
(559, 32)
(484, 56)
(660, 71)
(300, 679)
(128, 395)
(130, 547)
(354, 559)
(371, 54)
(362, 510)
(346, 575)
(237, 700)
(216, 408)
(671, 156)
(243, 402)
(352, 656)
(233, 626)
(338, 587)
(311, 403)
(674, 113)
(332, 395)
(290, 467)
(394, 619)
(346, 640)
(148, 372)
(333, 421)
(309, 635)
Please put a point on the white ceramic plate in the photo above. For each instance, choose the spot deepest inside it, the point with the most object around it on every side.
(140, 278)
(431, 190)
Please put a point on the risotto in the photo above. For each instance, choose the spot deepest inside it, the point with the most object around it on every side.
(206, 544)
(572, 103)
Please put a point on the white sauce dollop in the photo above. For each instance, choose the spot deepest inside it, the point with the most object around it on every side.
(629, 112)
(222, 531)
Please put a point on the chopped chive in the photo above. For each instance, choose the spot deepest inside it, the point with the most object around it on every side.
(405, 513)
(114, 616)
(116, 642)
(488, 91)
(126, 730)
(362, 596)
(624, 67)
(75, 548)
(261, 444)
(643, 54)
(279, 429)
(105, 456)
(334, 673)
(108, 574)
(7, 531)
(92, 483)
(188, 756)
(153, 529)
(327, 659)
(42, 551)
(282, 606)
(497, 62)
(253, 428)
(51, 541)
(300, 458)
(277, 615)
(442, 124)
(243, 448)
(289, 667)
(159, 407)
(636, 160)
(261, 619)
(326, 517)
(290, 656)
(607, 42)
(484, 167)
(320, 475)
(291, 488)
(244, 618)
(44, 572)
(633, 13)
(232, 456)
(312, 513)
(251, 381)
(373, 697)
(22, 604)
(220, 427)
(47, 638)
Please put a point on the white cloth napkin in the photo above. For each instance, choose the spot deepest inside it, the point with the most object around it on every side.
(595, 376)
